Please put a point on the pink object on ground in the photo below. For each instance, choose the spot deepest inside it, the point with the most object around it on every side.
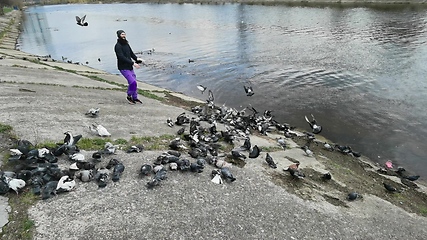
(389, 164)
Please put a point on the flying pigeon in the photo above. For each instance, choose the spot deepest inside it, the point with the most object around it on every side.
(81, 21)
(201, 88)
(249, 91)
(313, 124)
(210, 99)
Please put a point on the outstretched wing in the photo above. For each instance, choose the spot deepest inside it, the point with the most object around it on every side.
(83, 18)
(78, 19)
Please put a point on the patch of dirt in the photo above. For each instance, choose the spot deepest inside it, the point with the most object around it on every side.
(350, 174)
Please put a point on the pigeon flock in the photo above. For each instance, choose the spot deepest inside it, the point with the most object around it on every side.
(211, 135)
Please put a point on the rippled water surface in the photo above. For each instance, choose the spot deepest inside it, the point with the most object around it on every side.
(360, 71)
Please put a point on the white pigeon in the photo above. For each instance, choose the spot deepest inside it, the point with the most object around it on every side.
(15, 183)
(43, 152)
(65, 183)
(100, 130)
(217, 178)
(15, 152)
(201, 88)
(74, 166)
(78, 157)
(93, 112)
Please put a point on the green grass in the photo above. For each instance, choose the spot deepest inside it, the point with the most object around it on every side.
(153, 143)
(7, 10)
(5, 128)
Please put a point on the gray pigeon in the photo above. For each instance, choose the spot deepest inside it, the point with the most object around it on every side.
(93, 112)
(226, 174)
(270, 161)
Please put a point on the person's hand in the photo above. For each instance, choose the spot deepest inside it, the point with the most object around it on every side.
(140, 61)
(136, 65)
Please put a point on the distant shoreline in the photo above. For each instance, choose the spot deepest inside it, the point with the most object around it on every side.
(320, 3)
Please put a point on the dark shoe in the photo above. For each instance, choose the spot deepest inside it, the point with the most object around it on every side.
(130, 100)
(137, 101)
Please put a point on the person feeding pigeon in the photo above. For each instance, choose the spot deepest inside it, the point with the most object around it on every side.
(126, 60)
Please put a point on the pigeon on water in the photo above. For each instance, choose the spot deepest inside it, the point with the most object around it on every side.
(313, 124)
(100, 130)
(201, 88)
(226, 174)
(254, 152)
(81, 21)
(270, 161)
(249, 91)
(93, 112)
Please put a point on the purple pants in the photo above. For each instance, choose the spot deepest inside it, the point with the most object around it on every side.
(131, 77)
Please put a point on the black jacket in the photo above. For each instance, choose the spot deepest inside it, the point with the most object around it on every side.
(124, 55)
